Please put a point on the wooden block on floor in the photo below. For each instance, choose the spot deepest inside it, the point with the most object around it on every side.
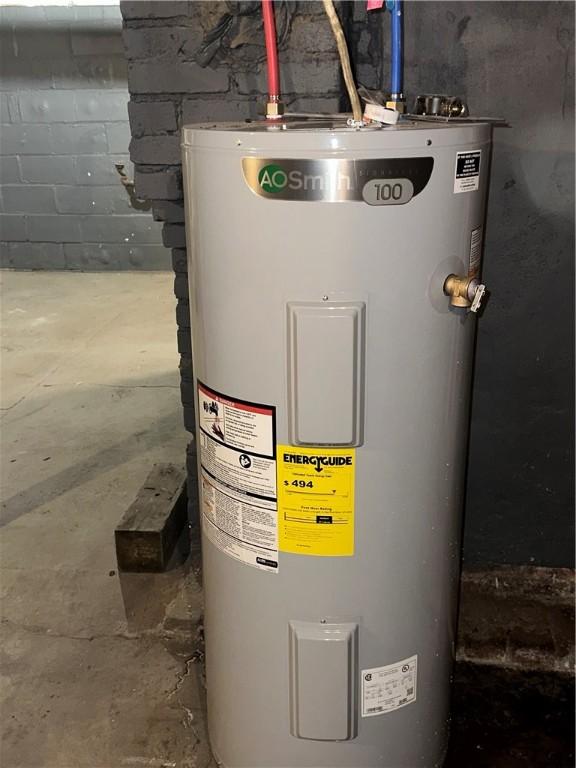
(151, 526)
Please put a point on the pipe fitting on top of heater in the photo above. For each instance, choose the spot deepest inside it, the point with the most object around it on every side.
(274, 105)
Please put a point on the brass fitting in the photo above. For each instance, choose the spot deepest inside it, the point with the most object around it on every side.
(460, 289)
(398, 104)
(274, 110)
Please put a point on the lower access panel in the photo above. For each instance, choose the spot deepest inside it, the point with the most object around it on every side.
(323, 680)
(326, 361)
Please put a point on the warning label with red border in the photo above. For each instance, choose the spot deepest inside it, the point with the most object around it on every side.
(237, 423)
(238, 484)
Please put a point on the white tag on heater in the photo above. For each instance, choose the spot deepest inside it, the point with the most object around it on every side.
(381, 114)
(467, 171)
(385, 689)
(475, 252)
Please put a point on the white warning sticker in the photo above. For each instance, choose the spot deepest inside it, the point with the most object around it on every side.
(467, 171)
(236, 423)
(475, 252)
(240, 470)
(244, 528)
(385, 689)
(238, 483)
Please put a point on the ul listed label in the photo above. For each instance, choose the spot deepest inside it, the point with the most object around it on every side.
(467, 171)
(385, 689)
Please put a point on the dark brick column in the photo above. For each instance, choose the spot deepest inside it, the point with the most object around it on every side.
(179, 72)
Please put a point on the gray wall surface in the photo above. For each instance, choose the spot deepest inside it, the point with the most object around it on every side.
(64, 125)
(512, 59)
(520, 504)
(500, 56)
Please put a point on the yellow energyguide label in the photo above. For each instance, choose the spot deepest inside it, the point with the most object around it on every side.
(316, 500)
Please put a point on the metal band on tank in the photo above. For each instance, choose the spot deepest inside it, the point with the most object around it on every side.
(386, 181)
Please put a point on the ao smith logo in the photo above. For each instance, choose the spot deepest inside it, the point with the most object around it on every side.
(273, 178)
(318, 462)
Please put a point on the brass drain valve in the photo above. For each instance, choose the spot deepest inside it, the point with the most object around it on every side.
(464, 291)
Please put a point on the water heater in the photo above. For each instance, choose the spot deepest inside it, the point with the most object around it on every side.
(333, 270)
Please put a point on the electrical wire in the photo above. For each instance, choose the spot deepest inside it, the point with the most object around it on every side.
(344, 59)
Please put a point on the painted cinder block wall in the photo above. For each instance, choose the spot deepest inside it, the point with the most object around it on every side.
(64, 125)
(175, 76)
(499, 56)
(520, 489)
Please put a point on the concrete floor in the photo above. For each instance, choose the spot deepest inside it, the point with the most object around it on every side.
(101, 670)
(97, 670)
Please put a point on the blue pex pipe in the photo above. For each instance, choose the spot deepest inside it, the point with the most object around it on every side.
(396, 11)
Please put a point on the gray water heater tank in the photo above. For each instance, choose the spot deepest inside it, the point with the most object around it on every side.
(333, 383)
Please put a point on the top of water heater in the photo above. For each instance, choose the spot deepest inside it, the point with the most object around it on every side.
(334, 132)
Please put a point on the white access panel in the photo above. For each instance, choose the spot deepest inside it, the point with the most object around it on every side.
(323, 666)
(325, 343)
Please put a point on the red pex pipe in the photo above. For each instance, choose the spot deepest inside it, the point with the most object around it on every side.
(271, 51)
